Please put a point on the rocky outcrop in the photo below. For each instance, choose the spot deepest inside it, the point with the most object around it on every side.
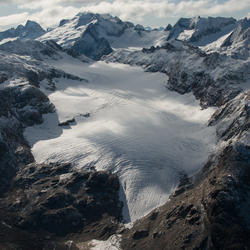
(61, 200)
(211, 210)
(20, 106)
(54, 200)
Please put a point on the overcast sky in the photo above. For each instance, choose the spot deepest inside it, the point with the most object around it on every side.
(147, 12)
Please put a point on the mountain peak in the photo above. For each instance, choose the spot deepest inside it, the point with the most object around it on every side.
(31, 30)
(34, 26)
(196, 28)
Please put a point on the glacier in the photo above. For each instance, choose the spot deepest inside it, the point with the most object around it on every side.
(147, 135)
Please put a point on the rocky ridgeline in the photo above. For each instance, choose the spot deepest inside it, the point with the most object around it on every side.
(214, 79)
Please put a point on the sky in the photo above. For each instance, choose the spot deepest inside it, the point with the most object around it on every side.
(153, 13)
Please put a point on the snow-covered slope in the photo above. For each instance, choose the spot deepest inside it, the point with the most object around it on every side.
(32, 48)
(212, 78)
(28, 60)
(31, 30)
(240, 34)
(234, 44)
(237, 44)
(201, 31)
(95, 34)
(116, 122)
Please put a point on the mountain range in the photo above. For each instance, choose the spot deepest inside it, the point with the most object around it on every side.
(119, 136)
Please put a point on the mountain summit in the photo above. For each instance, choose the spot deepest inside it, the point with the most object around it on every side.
(201, 31)
(31, 30)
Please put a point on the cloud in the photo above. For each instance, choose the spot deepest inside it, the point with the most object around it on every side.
(57, 1)
(13, 19)
(51, 16)
(49, 13)
(136, 9)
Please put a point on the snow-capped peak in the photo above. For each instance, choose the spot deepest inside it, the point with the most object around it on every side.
(241, 33)
(31, 30)
(33, 26)
(95, 35)
(202, 31)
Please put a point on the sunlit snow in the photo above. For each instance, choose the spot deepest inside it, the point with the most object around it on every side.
(137, 129)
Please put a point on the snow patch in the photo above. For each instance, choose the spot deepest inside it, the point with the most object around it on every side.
(113, 243)
(185, 35)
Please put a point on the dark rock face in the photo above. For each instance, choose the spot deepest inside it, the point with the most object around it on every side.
(31, 30)
(59, 200)
(169, 27)
(20, 106)
(55, 200)
(3, 78)
(29, 103)
(92, 45)
(208, 91)
(67, 123)
(211, 212)
(32, 48)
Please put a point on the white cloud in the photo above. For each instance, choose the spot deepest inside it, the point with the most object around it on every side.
(48, 12)
(136, 9)
(51, 16)
(13, 19)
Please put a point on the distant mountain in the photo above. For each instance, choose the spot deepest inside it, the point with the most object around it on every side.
(31, 30)
(201, 31)
(169, 27)
(95, 35)
(239, 40)
(235, 43)
(240, 34)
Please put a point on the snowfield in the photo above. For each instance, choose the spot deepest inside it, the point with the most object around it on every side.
(124, 120)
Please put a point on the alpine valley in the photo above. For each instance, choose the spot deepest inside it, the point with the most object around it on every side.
(115, 136)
